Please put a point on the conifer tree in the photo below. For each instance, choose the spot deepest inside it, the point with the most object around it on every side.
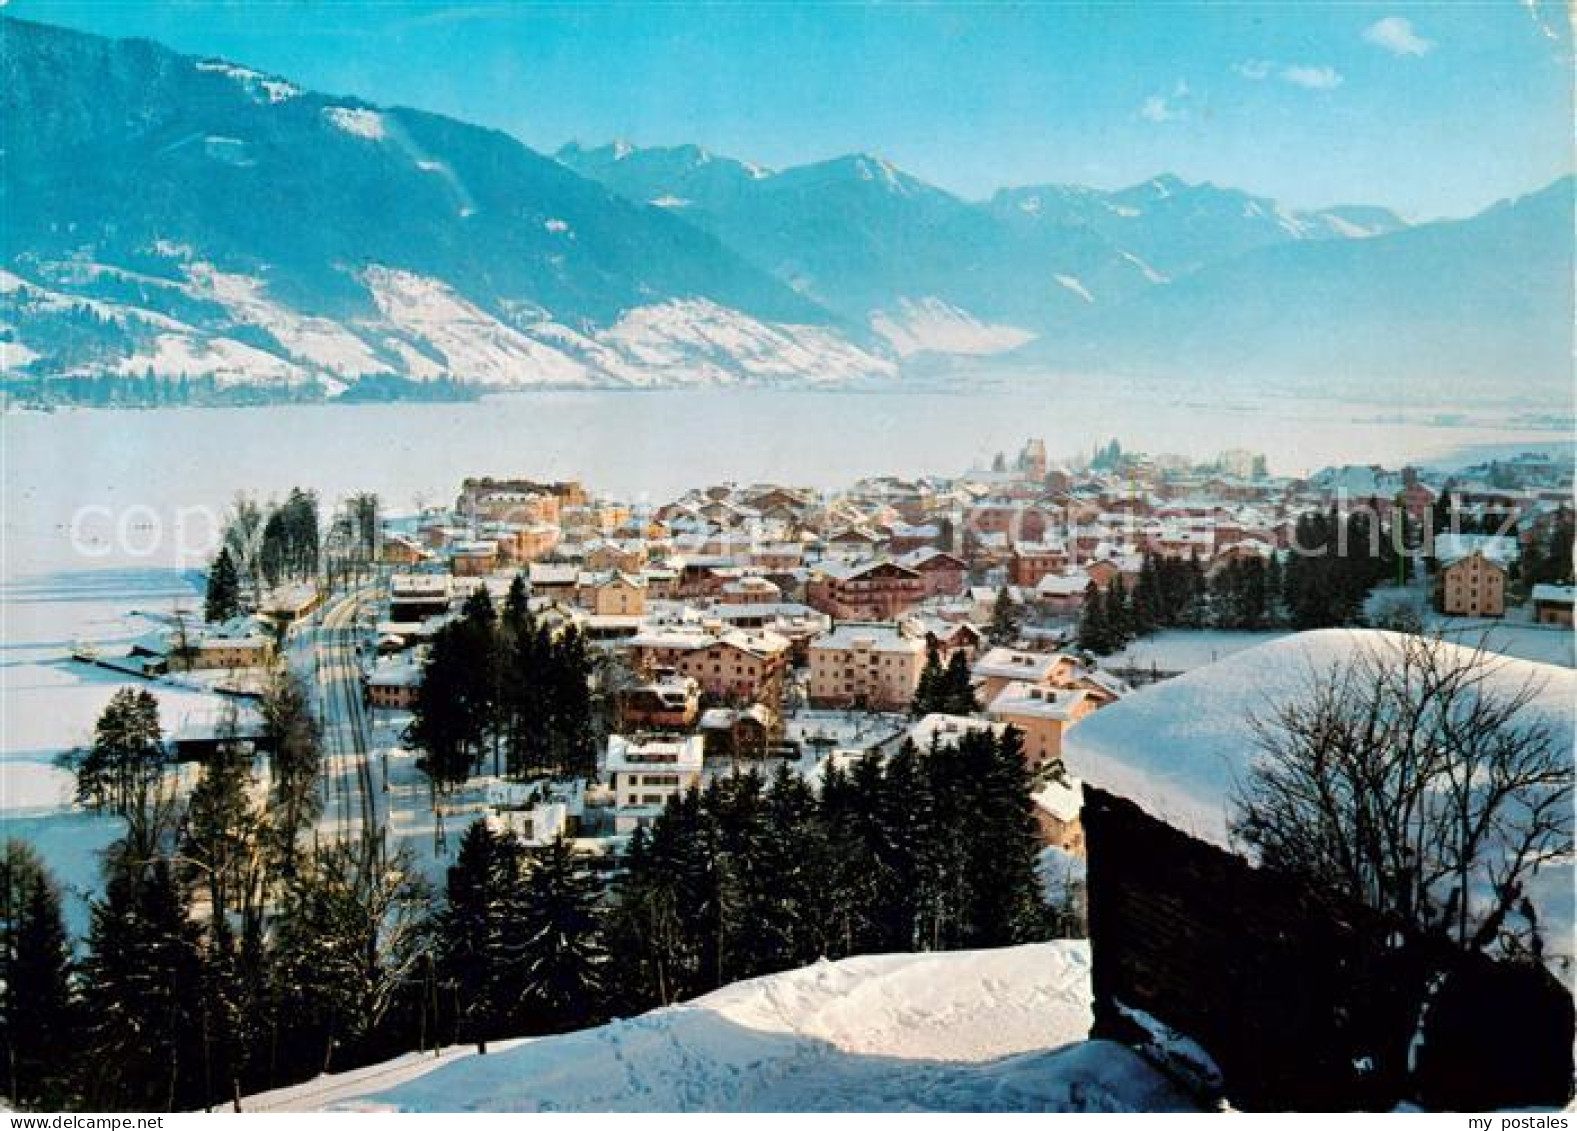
(470, 932)
(1003, 629)
(223, 597)
(958, 689)
(142, 994)
(561, 955)
(39, 1020)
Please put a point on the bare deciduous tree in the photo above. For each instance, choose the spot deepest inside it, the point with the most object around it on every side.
(1419, 779)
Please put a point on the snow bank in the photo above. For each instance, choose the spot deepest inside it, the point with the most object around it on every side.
(995, 1030)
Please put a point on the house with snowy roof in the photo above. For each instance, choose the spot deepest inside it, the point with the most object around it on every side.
(1238, 976)
(1472, 574)
(1001, 668)
(1552, 604)
(1043, 714)
(644, 774)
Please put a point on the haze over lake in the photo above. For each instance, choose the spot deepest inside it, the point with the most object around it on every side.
(651, 446)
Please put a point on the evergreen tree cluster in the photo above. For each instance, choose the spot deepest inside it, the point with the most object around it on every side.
(509, 685)
(289, 547)
(1336, 562)
(225, 960)
(944, 689)
(1337, 559)
(925, 851)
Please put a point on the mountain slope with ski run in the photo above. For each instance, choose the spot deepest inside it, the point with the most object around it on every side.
(996, 1030)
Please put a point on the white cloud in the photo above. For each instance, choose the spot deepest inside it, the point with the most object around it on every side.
(1312, 78)
(1397, 36)
(1166, 108)
(1255, 69)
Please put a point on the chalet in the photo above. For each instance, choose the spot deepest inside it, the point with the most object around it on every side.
(1057, 805)
(737, 733)
(393, 686)
(670, 701)
(1034, 560)
(732, 664)
(1552, 604)
(616, 594)
(1284, 1001)
(871, 591)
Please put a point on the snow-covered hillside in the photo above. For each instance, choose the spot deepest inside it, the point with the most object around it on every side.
(999, 1030)
(198, 320)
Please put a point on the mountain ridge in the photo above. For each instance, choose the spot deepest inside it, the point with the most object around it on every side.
(183, 217)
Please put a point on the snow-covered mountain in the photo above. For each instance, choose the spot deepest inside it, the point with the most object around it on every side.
(1190, 280)
(185, 217)
(996, 1030)
(194, 220)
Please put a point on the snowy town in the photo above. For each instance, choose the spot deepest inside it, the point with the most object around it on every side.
(540, 697)
(968, 557)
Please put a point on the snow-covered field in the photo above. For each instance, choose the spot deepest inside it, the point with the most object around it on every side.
(998, 1030)
(1183, 649)
(49, 703)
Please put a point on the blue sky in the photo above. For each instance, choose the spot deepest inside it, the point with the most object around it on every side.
(1434, 109)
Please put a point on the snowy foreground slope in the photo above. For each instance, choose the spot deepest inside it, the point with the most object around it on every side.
(999, 1030)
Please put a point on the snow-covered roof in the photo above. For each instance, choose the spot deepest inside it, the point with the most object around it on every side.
(1033, 700)
(1179, 749)
(1008, 663)
(677, 754)
(1558, 594)
(946, 730)
(1451, 548)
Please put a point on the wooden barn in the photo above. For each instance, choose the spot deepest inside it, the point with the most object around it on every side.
(1238, 979)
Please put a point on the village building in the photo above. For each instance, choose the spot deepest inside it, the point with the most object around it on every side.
(1552, 604)
(473, 558)
(1057, 803)
(944, 574)
(669, 701)
(735, 665)
(737, 733)
(999, 668)
(1473, 571)
(1032, 561)
(867, 591)
(612, 595)
(644, 774)
(875, 665)
(1043, 714)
